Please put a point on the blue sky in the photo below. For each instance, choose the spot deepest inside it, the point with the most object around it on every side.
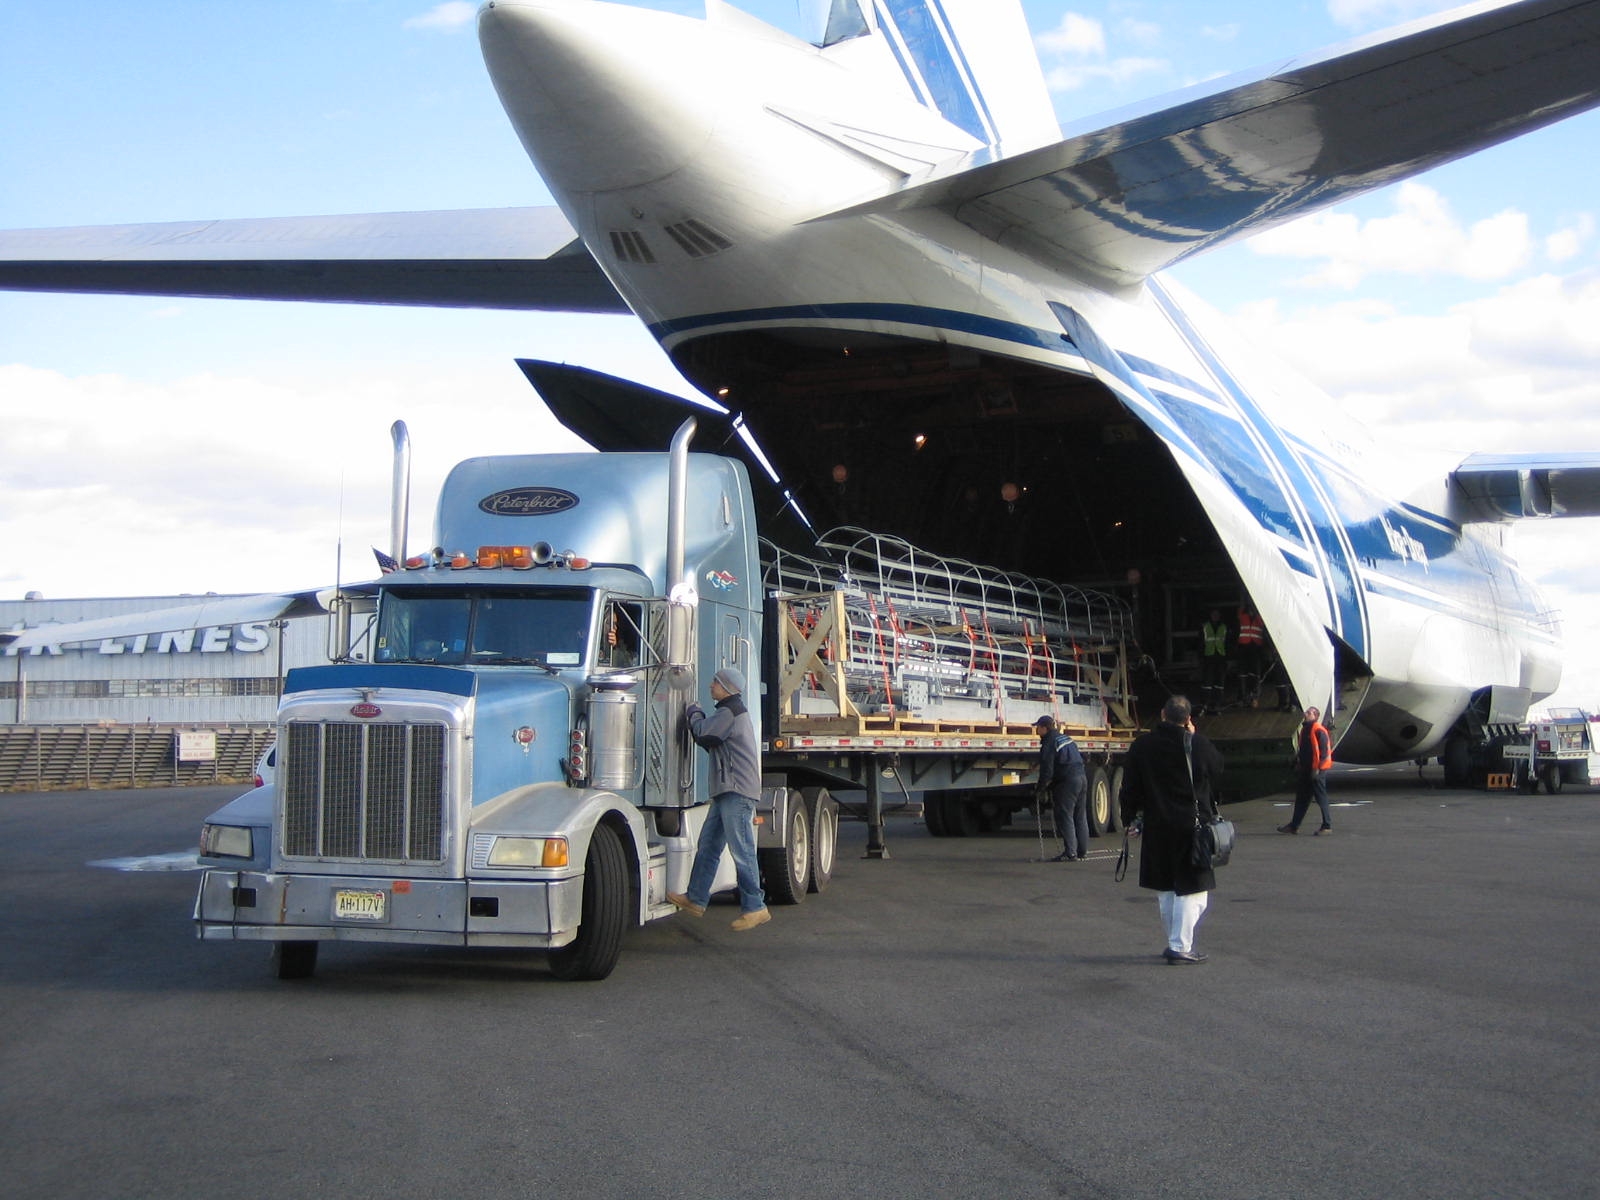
(158, 446)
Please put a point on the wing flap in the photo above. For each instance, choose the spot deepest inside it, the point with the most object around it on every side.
(517, 258)
(1509, 487)
(1129, 199)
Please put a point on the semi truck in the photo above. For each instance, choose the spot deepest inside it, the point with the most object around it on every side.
(497, 754)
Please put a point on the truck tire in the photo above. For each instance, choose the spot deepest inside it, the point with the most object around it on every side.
(960, 817)
(933, 814)
(786, 869)
(1116, 800)
(823, 811)
(1099, 803)
(594, 952)
(294, 960)
(1550, 776)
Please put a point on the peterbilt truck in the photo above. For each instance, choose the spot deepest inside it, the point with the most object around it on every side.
(501, 757)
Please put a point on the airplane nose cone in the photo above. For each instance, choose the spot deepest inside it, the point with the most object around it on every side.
(600, 94)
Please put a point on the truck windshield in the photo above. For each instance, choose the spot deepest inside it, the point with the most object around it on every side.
(547, 628)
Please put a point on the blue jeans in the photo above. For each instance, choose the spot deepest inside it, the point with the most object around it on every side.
(730, 823)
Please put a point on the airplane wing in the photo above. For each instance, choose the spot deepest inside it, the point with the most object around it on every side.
(1203, 168)
(516, 258)
(221, 610)
(1507, 487)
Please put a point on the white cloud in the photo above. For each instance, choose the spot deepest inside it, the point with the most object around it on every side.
(1423, 238)
(1364, 14)
(1081, 42)
(1118, 71)
(1566, 244)
(453, 14)
(1076, 36)
(215, 483)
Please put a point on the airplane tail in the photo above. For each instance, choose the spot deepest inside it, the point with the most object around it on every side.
(972, 61)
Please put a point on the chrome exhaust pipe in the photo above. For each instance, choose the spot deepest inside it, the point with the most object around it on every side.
(400, 494)
(680, 589)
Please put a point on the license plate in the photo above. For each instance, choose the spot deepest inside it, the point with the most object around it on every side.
(360, 906)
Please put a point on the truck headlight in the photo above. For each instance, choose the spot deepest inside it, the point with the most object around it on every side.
(528, 852)
(226, 841)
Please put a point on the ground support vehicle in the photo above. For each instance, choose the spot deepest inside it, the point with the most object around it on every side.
(1552, 751)
(501, 757)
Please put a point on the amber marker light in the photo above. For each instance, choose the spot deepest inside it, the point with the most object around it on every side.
(459, 561)
(488, 557)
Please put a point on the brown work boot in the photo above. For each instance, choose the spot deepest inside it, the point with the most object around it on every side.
(751, 919)
(686, 905)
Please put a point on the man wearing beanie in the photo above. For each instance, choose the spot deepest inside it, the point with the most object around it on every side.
(735, 784)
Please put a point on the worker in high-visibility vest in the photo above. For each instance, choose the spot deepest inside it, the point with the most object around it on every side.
(1213, 660)
(1313, 760)
(1251, 648)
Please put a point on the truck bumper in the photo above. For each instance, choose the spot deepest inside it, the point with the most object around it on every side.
(269, 907)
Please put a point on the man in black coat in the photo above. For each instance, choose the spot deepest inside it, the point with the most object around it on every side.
(1167, 782)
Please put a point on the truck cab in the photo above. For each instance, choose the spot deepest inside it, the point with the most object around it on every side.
(508, 765)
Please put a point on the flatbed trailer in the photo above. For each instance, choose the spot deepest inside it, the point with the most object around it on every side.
(905, 673)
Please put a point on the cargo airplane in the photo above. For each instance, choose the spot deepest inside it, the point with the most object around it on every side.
(878, 251)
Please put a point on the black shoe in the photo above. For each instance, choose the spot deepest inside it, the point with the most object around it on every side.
(1287, 829)
(1179, 958)
(1062, 857)
(1083, 858)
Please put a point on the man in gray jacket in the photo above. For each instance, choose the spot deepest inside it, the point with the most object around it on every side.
(735, 784)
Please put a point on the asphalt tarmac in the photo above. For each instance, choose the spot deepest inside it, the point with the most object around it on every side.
(1405, 1008)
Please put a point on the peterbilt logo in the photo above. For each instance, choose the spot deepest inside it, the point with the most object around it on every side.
(528, 502)
(365, 710)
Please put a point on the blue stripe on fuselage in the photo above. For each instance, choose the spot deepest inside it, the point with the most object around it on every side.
(1336, 557)
(944, 73)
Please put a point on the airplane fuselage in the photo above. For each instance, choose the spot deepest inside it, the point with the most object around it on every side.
(694, 161)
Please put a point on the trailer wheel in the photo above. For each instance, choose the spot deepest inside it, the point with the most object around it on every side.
(594, 952)
(1116, 799)
(1099, 804)
(294, 960)
(933, 814)
(960, 818)
(786, 869)
(823, 810)
(1550, 776)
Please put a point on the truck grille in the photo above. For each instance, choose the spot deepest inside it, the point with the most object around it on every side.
(363, 791)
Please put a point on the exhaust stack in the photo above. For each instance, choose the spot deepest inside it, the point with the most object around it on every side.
(400, 494)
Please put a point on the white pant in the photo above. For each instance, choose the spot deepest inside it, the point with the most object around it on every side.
(1179, 915)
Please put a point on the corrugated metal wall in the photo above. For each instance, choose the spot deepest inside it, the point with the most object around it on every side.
(37, 758)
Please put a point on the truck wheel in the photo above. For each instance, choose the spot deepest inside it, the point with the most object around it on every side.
(823, 810)
(786, 869)
(960, 818)
(1114, 820)
(1099, 804)
(1550, 776)
(933, 814)
(294, 960)
(594, 952)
